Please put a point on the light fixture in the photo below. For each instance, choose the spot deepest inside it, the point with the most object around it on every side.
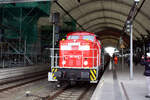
(85, 63)
(137, 1)
(63, 62)
(128, 25)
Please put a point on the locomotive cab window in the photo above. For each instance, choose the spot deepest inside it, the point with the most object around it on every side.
(73, 37)
(86, 37)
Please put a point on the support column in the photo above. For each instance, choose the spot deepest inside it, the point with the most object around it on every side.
(131, 52)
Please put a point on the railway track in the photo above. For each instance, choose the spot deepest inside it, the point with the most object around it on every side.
(6, 85)
(71, 93)
(66, 92)
(76, 92)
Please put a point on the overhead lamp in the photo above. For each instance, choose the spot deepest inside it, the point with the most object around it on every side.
(145, 36)
(137, 1)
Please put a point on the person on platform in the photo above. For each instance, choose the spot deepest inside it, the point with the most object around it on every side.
(128, 61)
(146, 61)
(115, 60)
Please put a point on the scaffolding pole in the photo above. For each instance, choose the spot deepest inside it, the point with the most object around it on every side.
(20, 31)
(52, 61)
(25, 52)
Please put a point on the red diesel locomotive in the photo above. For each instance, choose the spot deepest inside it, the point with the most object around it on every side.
(80, 58)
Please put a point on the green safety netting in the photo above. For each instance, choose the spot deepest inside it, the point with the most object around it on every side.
(46, 38)
(20, 19)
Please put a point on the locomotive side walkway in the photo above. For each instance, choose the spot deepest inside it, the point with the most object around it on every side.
(116, 85)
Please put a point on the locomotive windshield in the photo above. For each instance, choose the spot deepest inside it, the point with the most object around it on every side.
(73, 37)
(85, 37)
(88, 37)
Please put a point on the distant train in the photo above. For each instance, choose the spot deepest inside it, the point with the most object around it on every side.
(80, 58)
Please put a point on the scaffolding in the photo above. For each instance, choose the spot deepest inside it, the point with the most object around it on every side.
(20, 44)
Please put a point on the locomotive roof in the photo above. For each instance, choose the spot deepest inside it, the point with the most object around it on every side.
(80, 33)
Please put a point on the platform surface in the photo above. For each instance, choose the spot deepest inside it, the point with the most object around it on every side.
(115, 84)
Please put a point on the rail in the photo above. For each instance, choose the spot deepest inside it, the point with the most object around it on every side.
(6, 85)
(17, 71)
(72, 92)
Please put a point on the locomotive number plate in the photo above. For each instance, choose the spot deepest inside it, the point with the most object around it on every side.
(71, 44)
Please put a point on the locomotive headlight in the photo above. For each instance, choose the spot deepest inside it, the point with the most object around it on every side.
(85, 63)
(63, 62)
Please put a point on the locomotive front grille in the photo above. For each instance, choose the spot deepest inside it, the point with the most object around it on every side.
(71, 62)
(78, 62)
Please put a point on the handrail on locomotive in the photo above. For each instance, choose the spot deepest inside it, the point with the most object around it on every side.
(55, 62)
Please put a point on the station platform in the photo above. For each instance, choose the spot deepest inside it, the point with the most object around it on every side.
(115, 84)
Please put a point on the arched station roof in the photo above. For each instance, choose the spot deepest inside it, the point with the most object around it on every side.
(101, 16)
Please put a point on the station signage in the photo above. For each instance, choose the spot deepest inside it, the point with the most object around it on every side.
(122, 46)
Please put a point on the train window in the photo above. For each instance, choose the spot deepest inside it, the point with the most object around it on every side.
(73, 37)
(88, 37)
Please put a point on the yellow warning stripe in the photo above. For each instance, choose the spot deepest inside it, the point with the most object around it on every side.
(53, 71)
(54, 78)
(93, 75)
(94, 71)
